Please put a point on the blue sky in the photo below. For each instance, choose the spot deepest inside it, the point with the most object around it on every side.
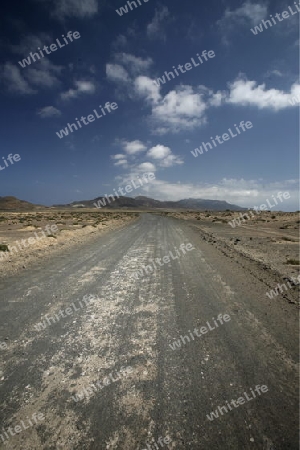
(155, 128)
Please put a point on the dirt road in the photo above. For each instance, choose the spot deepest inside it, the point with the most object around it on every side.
(134, 321)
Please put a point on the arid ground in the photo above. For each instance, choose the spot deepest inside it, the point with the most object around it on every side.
(68, 366)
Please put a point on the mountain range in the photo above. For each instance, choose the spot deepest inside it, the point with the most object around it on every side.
(150, 203)
(11, 203)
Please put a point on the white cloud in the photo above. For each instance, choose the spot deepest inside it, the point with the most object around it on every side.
(253, 12)
(185, 107)
(216, 99)
(30, 43)
(135, 64)
(82, 87)
(146, 167)
(115, 72)
(246, 193)
(43, 74)
(62, 9)
(49, 111)
(245, 92)
(181, 107)
(248, 14)
(155, 29)
(170, 161)
(121, 162)
(133, 147)
(164, 156)
(11, 77)
(159, 152)
(145, 87)
(118, 156)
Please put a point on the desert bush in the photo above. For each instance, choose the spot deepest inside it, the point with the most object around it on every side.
(293, 262)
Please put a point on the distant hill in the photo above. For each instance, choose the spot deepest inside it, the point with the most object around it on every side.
(14, 204)
(149, 203)
(11, 203)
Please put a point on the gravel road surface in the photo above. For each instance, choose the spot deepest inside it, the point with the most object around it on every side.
(109, 374)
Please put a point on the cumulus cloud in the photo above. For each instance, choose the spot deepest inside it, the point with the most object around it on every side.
(248, 14)
(185, 107)
(118, 156)
(121, 162)
(49, 111)
(82, 87)
(30, 43)
(133, 147)
(135, 64)
(181, 109)
(245, 92)
(164, 156)
(252, 12)
(170, 160)
(156, 28)
(115, 72)
(62, 9)
(246, 193)
(14, 81)
(43, 74)
(145, 87)
(146, 167)
(159, 152)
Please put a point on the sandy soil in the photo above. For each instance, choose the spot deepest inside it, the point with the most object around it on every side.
(270, 239)
(74, 227)
(132, 322)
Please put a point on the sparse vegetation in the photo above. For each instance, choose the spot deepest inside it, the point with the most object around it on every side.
(293, 262)
(4, 248)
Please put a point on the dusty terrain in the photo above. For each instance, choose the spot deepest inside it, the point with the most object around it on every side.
(170, 391)
(271, 240)
(74, 227)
